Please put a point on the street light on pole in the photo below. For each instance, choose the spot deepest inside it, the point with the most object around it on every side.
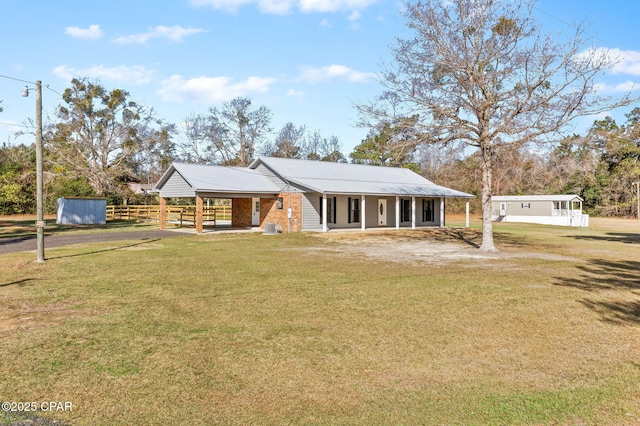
(40, 223)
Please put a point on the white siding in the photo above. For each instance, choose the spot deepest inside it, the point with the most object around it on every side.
(266, 172)
(311, 212)
(176, 186)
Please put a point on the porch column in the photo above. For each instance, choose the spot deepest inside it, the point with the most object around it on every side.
(363, 215)
(441, 212)
(466, 211)
(413, 212)
(199, 208)
(397, 212)
(325, 228)
(163, 213)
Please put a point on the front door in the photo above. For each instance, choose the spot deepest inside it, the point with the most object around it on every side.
(382, 212)
(255, 211)
(503, 209)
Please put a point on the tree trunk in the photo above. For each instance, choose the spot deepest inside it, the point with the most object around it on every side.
(487, 226)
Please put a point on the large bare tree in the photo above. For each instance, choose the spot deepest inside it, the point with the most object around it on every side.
(102, 135)
(480, 74)
(229, 135)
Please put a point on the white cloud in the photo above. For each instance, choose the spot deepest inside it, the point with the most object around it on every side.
(92, 33)
(623, 61)
(175, 33)
(318, 75)
(326, 24)
(355, 15)
(294, 93)
(227, 5)
(624, 87)
(285, 6)
(628, 62)
(333, 5)
(122, 73)
(205, 89)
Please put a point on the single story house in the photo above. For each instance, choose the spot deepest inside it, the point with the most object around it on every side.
(300, 195)
(564, 210)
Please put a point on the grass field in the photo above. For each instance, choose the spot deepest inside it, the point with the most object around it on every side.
(311, 329)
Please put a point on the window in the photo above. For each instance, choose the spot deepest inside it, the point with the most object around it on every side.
(279, 203)
(331, 210)
(428, 209)
(405, 210)
(354, 210)
(526, 205)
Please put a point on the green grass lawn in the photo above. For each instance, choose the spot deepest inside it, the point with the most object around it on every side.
(301, 329)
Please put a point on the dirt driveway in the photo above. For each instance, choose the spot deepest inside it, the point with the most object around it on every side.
(426, 246)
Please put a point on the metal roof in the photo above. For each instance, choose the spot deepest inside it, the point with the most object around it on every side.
(317, 176)
(561, 197)
(207, 178)
(341, 178)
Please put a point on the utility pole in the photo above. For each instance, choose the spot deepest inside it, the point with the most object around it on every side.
(39, 175)
(637, 184)
(40, 223)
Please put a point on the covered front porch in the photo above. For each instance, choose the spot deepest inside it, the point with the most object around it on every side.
(361, 211)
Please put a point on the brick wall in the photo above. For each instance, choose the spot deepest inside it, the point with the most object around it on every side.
(241, 212)
(269, 207)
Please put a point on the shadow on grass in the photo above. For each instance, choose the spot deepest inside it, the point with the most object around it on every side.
(26, 228)
(616, 237)
(600, 275)
(144, 241)
(615, 312)
(19, 283)
(465, 235)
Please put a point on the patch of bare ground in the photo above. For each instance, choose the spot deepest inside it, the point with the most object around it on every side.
(26, 316)
(432, 246)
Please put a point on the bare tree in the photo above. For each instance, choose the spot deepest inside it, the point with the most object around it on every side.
(229, 135)
(319, 148)
(479, 73)
(289, 142)
(102, 134)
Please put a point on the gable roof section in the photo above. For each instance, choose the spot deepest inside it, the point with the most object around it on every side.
(217, 179)
(341, 178)
(519, 198)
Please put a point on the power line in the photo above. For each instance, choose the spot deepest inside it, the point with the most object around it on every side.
(17, 79)
(31, 82)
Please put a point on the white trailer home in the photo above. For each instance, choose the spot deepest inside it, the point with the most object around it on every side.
(564, 210)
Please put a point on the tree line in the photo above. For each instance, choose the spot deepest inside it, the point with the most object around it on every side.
(104, 140)
(101, 140)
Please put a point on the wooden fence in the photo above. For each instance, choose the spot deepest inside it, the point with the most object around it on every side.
(178, 215)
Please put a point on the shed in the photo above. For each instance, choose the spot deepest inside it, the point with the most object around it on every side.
(81, 211)
(563, 209)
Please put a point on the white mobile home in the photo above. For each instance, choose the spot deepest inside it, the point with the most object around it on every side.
(564, 210)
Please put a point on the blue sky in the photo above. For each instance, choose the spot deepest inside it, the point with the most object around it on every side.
(306, 60)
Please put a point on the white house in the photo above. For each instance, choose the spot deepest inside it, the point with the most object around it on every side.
(564, 210)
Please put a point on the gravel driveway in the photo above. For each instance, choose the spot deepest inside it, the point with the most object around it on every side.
(10, 245)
